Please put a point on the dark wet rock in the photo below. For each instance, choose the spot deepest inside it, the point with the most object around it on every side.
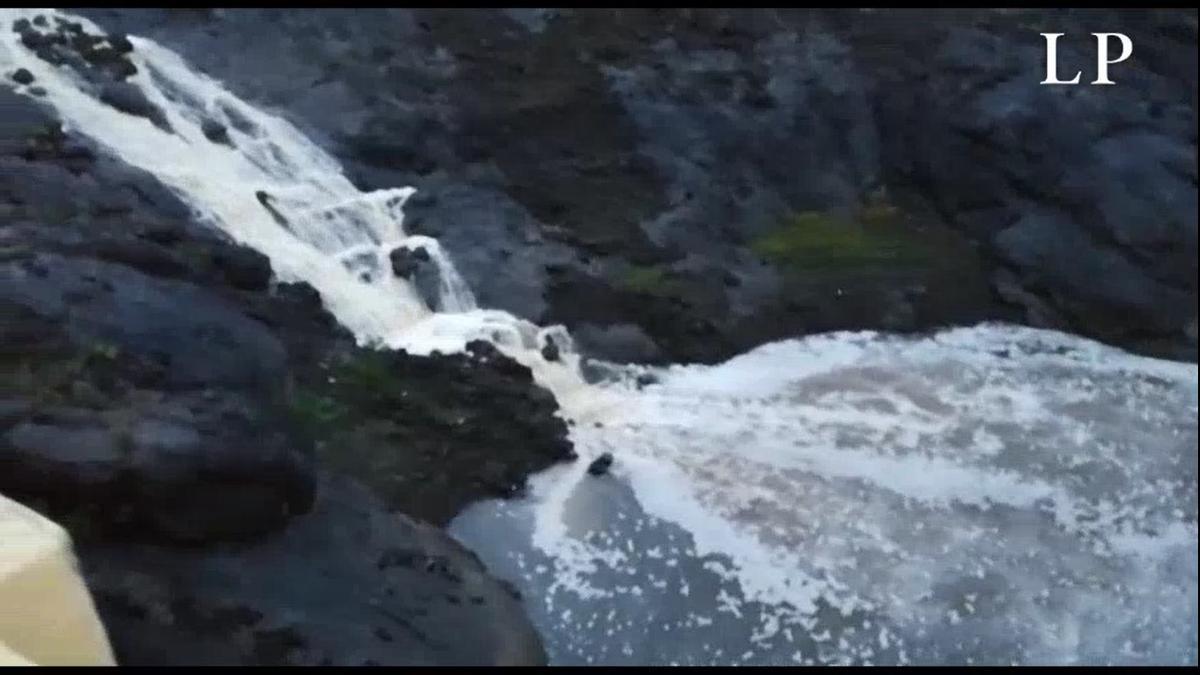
(244, 267)
(595, 371)
(159, 473)
(97, 58)
(550, 351)
(214, 131)
(265, 199)
(201, 339)
(22, 76)
(623, 343)
(371, 404)
(601, 464)
(130, 99)
(344, 584)
(300, 299)
(406, 261)
(416, 265)
(646, 379)
(141, 255)
(482, 349)
(120, 43)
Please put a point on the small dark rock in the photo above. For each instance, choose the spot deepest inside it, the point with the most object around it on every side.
(601, 464)
(406, 261)
(22, 76)
(33, 39)
(550, 351)
(481, 348)
(47, 53)
(646, 379)
(215, 131)
(264, 198)
(416, 265)
(120, 43)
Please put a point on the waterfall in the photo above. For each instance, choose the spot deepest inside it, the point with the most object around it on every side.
(263, 182)
(996, 494)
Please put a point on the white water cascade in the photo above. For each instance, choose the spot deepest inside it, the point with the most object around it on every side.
(986, 495)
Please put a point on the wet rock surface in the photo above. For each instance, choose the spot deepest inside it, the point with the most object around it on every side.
(159, 395)
(415, 265)
(421, 432)
(348, 584)
(716, 179)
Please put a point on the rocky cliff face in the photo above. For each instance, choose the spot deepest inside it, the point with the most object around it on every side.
(683, 184)
(168, 401)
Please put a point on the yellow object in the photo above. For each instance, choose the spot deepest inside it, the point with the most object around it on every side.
(46, 613)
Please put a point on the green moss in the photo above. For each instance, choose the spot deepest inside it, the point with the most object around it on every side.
(356, 389)
(104, 352)
(648, 280)
(53, 376)
(879, 214)
(315, 413)
(369, 378)
(814, 240)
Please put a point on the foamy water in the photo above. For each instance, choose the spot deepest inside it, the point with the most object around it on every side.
(985, 495)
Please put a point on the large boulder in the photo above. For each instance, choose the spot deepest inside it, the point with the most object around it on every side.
(348, 584)
(104, 438)
(431, 434)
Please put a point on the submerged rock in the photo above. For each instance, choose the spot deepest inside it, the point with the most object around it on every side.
(130, 99)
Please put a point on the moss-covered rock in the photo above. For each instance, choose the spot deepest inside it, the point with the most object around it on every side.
(431, 434)
(817, 240)
(649, 280)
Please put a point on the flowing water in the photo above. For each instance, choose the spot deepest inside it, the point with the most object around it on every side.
(985, 495)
